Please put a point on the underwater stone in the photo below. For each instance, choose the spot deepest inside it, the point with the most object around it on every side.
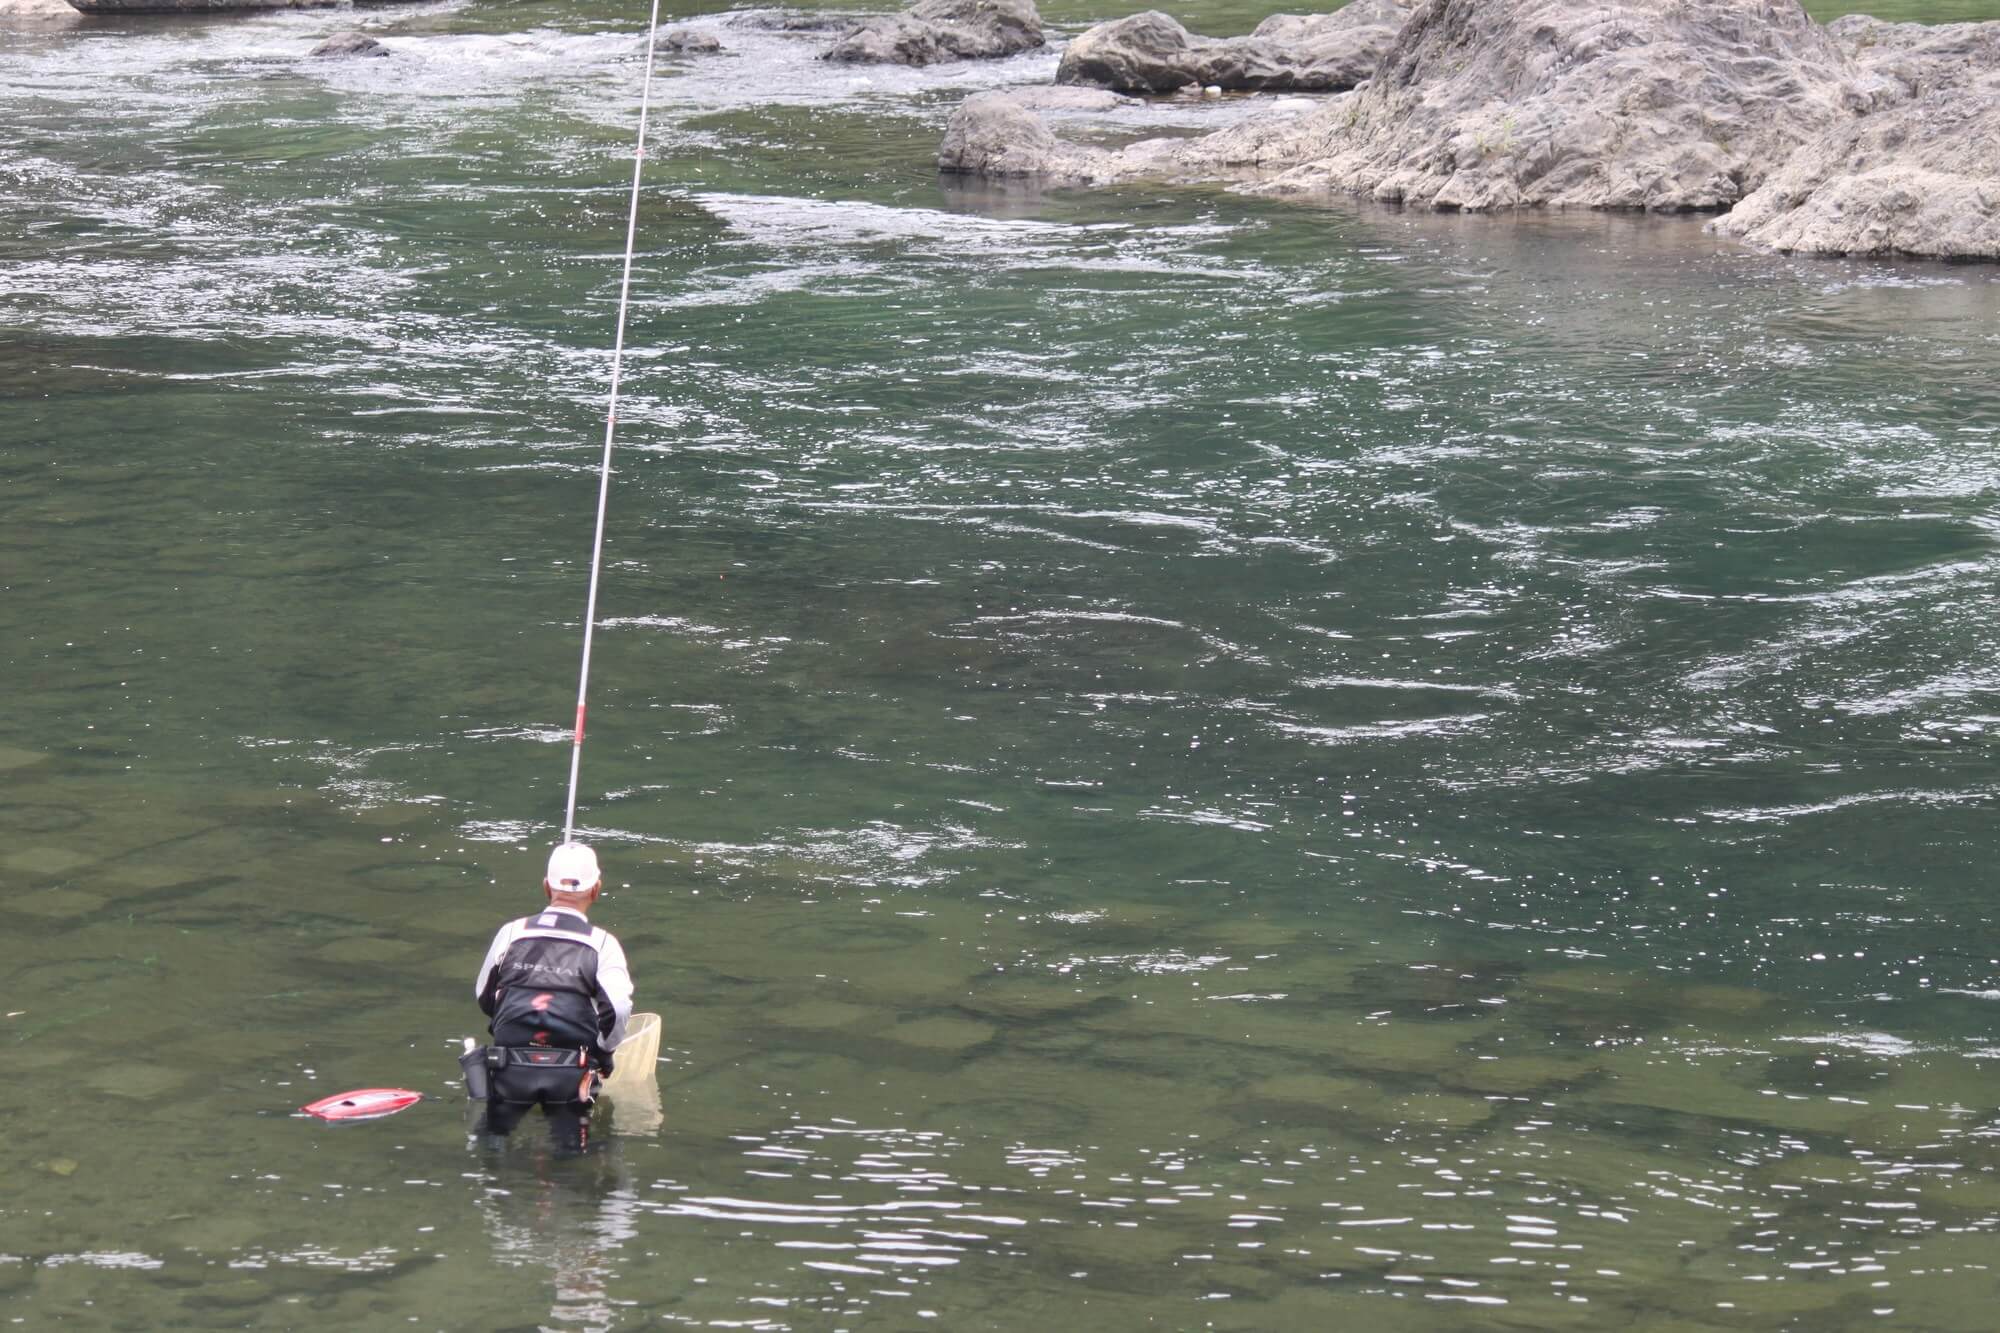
(1334, 1095)
(1448, 1109)
(45, 862)
(942, 1032)
(59, 904)
(1517, 1074)
(820, 1015)
(366, 949)
(134, 1079)
(12, 756)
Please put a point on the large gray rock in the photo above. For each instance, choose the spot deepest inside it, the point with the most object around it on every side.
(940, 30)
(790, 20)
(1671, 105)
(1862, 138)
(1919, 177)
(689, 40)
(36, 13)
(201, 6)
(1917, 57)
(1000, 135)
(1151, 53)
(344, 45)
(1054, 97)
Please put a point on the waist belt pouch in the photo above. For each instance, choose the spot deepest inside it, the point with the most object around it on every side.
(550, 1075)
(473, 1062)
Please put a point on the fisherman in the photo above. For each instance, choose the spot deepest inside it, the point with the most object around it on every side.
(558, 992)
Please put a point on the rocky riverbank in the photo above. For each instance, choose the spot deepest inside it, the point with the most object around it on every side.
(1860, 138)
(1920, 176)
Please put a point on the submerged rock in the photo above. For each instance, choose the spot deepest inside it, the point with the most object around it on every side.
(940, 30)
(45, 863)
(348, 44)
(12, 756)
(135, 1079)
(1152, 53)
(1919, 177)
(945, 1033)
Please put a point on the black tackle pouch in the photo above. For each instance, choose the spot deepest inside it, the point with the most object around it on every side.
(474, 1065)
(549, 1075)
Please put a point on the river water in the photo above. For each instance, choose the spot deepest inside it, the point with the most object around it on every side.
(1170, 760)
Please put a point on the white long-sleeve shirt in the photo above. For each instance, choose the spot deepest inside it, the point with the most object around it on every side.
(613, 973)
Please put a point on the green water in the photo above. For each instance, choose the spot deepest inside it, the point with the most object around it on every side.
(1170, 761)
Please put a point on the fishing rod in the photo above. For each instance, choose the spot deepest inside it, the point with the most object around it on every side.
(375, 1103)
(610, 428)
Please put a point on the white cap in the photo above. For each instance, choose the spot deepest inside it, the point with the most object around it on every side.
(572, 869)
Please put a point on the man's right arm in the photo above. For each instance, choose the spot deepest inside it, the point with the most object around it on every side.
(614, 987)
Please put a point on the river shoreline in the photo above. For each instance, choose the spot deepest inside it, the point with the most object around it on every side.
(1863, 138)
(1860, 138)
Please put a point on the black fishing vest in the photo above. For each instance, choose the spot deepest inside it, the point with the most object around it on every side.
(545, 990)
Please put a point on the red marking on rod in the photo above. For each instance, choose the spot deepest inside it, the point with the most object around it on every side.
(579, 725)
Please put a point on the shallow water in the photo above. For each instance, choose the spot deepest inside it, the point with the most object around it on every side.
(1170, 760)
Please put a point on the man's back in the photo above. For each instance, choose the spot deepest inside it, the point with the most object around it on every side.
(555, 979)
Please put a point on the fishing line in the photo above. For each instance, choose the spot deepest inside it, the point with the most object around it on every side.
(610, 427)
